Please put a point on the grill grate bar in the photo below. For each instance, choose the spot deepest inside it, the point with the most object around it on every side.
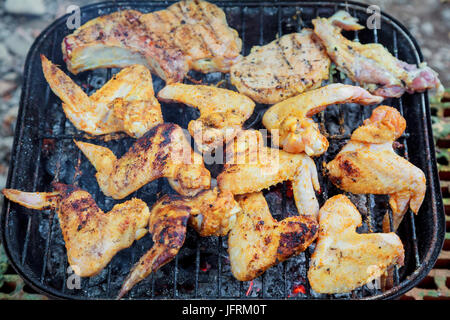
(405, 144)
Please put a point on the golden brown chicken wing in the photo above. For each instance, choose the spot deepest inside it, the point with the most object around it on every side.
(125, 103)
(162, 152)
(92, 237)
(251, 166)
(292, 117)
(222, 112)
(372, 65)
(210, 213)
(258, 242)
(368, 164)
(344, 259)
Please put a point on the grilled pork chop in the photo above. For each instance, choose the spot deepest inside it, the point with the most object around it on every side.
(187, 35)
(281, 69)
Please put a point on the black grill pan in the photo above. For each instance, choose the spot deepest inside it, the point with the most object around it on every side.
(43, 152)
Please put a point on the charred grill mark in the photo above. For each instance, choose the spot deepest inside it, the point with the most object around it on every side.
(283, 55)
(348, 168)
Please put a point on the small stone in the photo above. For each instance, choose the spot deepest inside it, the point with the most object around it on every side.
(5, 57)
(10, 76)
(18, 44)
(6, 87)
(428, 28)
(9, 122)
(25, 7)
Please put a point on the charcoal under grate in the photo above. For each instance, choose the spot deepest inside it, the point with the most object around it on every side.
(44, 151)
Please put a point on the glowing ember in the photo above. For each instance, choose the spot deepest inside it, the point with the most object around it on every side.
(250, 287)
(205, 267)
(297, 289)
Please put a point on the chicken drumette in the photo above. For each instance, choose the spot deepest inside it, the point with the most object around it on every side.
(163, 151)
(368, 164)
(291, 119)
(92, 237)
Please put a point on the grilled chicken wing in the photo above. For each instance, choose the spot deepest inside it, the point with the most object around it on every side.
(92, 237)
(167, 226)
(285, 67)
(250, 167)
(186, 35)
(125, 103)
(258, 242)
(371, 64)
(209, 213)
(344, 259)
(368, 164)
(222, 112)
(292, 117)
(162, 152)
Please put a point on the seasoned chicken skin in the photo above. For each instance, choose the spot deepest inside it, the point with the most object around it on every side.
(125, 103)
(187, 35)
(343, 259)
(92, 237)
(258, 242)
(292, 117)
(287, 66)
(162, 152)
(372, 65)
(222, 112)
(368, 164)
(250, 167)
(210, 213)
(167, 225)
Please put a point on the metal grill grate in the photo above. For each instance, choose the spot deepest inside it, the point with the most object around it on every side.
(43, 151)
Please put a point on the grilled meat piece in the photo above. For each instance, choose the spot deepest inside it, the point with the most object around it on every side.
(186, 35)
(250, 167)
(167, 226)
(210, 213)
(222, 112)
(368, 164)
(285, 67)
(292, 117)
(125, 103)
(92, 237)
(344, 259)
(372, 65)
(162, 152)
(213, 213)
(258, 242)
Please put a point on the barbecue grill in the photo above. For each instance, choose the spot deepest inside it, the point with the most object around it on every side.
(44, 151)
